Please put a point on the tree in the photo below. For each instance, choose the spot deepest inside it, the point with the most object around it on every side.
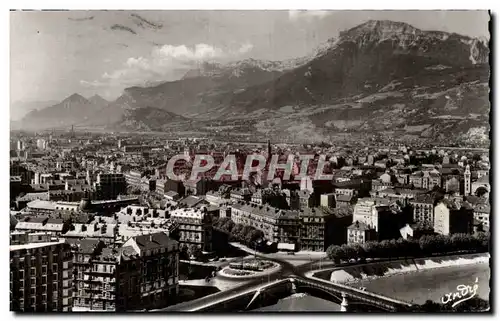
(358, 250)
(228, 226)
(183, 252)
(476, 157)
(236, 230)
(336, 253)
(386, 249)
(253, 236)
(481, 191)
(484, 241)
(349, 251)
(195, 251)
(369, 249)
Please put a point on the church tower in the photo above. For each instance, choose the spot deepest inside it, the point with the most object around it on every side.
(467, 180)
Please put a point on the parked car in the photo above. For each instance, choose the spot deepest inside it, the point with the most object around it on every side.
(290, 253)
(352, 261)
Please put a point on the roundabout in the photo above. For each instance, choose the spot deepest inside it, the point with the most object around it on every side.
(249, 269)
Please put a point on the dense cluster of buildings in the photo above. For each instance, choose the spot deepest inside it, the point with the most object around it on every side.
(97, 224)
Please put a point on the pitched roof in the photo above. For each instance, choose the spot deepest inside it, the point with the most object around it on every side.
(344, 198)
(171, 194)
(153, 241)
(46, 205)
(84, 245)
(424, 198)
(359, 226)
(191, 201)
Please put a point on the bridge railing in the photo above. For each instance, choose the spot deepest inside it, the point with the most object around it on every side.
(345, 288)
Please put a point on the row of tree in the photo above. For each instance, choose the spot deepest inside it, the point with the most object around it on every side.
(425, 246)
(244, 234)
(190, 251)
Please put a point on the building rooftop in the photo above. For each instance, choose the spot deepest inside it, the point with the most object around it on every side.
(40, 204)
(187, 212)
(424, 198)
(154, 241)
(171, 194)
(359, 226)
(261, 210)
(344, 198)
(84, 245)
(33, 245)
(190, 201)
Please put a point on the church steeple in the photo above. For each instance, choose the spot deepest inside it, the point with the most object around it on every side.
(467, 176)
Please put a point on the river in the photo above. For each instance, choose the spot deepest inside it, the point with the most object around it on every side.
(417, 287)
(301, 302)
(430, 284)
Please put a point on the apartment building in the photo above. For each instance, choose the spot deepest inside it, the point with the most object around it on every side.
(40, 277)
(320, 227)
(140, 274)
(195, 227)
(110, 185)
(452, 217)
(312, 229)
(423, 209)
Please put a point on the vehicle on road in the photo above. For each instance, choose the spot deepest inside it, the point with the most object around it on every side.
(290, 253)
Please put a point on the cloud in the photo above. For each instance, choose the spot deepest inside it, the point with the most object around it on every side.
(165, 63)
(307, 14)
(245, 48)
(94, 83)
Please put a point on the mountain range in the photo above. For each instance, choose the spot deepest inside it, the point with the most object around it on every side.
(379, 77)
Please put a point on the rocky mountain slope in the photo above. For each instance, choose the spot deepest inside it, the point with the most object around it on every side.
(381, 76)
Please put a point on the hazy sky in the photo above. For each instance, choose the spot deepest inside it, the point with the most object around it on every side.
(55, 54)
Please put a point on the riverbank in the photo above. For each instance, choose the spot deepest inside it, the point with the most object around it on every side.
(354, 274)
(431, 284)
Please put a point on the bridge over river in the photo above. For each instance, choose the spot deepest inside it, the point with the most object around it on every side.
(251, 296)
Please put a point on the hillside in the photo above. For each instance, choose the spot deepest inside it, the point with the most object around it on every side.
(381, 77)
(70, 111)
